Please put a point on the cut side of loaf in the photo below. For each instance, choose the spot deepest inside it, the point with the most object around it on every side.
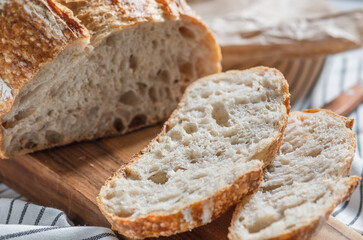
(93, 68)
(305, 182)
(209, 154)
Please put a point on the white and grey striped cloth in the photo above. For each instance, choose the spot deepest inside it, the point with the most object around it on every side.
(20, 219)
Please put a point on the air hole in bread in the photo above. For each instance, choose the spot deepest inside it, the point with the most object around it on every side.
(109, 196)
(124, 213)
(118, 125)
(220, 114)
(159, 177)
(178, 169)
(142, 87)
(307, 178)
(154, 44)
(319, 197)
(269, 107)
(175, 135)
(234, 141)
(111, 40)
(29, 140)
(313, 152)
(153, 94)
(205, 94)
(200, 175)
(190, 127)
(204, 121)
(107, 16)
(261, 223)
(230, 132)
(186, 69)
(129, 98)
(138, 121)
(24, 114)
(186, 142)
(9, 124)
(93, 112)
(213, 133)
(133, 62)
(53, 137)
(192, 158)
(30, 144)
(164, 76)
(186, 33)
(271, 187)
(132, 174)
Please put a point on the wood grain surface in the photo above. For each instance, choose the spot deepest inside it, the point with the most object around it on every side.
(347, 101)
(69, 178)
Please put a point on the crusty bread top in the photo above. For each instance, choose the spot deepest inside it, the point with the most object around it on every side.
(103, 17)
(34, 32)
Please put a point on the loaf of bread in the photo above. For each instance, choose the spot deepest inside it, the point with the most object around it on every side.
(74, 70)
(305, 182)
(209, 155)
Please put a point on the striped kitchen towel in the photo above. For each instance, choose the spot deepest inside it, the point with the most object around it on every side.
(20, 219)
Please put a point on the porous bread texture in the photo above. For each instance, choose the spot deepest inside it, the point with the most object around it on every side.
(209, 154)
(130, 79)
(305, 182)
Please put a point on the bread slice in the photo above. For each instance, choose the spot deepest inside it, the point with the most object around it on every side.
(305, 182)
(209, 154)
(77, 70)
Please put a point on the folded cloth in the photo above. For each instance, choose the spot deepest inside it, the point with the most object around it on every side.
(20, 219)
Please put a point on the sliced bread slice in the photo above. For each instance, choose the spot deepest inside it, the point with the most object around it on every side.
(305, 182)
(209, 154)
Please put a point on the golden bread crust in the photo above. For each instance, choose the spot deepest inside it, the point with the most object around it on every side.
(29, 41)
(166, 225)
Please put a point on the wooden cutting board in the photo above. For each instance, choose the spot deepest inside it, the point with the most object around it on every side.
(69, 178)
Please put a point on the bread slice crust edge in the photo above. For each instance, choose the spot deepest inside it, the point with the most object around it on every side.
(166, 225)
(311, 228)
